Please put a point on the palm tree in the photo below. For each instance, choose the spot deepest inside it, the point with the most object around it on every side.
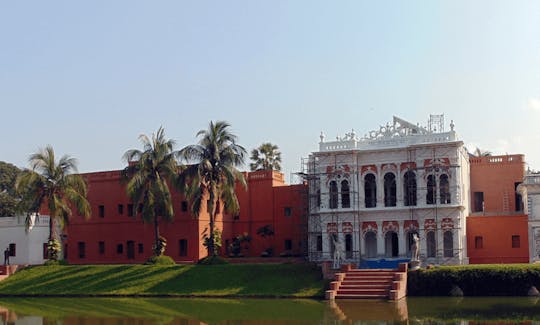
(147, 174)
(266, 157)
(482, 153)
(213, 174)
(56, 185)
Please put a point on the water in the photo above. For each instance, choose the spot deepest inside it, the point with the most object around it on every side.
(131, 311)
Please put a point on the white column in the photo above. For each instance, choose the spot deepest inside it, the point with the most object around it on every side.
(401, 239)
(399, 187)
(380, 187)
(380, 240)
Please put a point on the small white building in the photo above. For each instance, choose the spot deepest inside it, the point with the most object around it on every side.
(374, 192)
(25, 247)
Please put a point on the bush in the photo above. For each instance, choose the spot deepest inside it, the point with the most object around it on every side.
(474, 280)
(160, 260)
(213, 260)
(55, 262)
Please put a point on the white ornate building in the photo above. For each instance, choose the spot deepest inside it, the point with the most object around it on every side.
(375, 192)
(26, 247)
(530, 191)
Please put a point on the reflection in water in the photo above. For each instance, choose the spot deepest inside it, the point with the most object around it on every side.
(123, 311)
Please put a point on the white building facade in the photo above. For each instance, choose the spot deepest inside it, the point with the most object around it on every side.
(374, 193)
(26, 247)
(530, 192)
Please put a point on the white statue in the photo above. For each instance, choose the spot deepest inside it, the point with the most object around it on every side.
(338, 251)
(415, 247)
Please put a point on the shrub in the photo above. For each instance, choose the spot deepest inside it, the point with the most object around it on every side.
(55, 262)
(213, 260)
(160, 260)
(474, 280)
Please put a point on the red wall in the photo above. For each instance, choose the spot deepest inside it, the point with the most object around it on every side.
(262, 203)
(496, 233)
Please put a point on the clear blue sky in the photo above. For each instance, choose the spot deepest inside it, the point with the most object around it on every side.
(89, 77)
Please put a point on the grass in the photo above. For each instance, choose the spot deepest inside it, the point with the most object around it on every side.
(230, 280)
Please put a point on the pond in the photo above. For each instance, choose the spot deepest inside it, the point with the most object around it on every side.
(142, 311)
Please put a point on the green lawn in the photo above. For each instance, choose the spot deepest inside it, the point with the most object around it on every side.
(239, 280)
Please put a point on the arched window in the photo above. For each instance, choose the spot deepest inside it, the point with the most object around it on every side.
(389, 190)
(333, 195)
(371, 244)
(318, 198)
(431, 244)
(448, 244)
(431, 195)
(409, 189)
(370, 191)
(345, 196)
(444, 189)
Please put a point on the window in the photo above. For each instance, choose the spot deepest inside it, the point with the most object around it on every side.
(288, 244)
(183, 206)
(371, 244)
(448, 244)
(478, 201)
(345, 194)
(370, 191)
(208, 206)
(45, 251)
(518, 199)
(81, 246)
(444, 189)
(12, 249)
(318, 197)
(130, 246)
(348, 246)
(130, 210)
(101, 209)
(236, 216)
(431, 244)
(101, 247)
(333, 195)
(431, 194)
(478, 242)
(140, 208)
(389, 190)
(409, 189)
(65, 251)
(120, 249)
(319, 243)
(141, 248)
(183, 248)
(515, 241)
(287, 211)
(120, 209)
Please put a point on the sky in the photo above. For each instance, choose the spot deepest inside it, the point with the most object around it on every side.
(88, 77)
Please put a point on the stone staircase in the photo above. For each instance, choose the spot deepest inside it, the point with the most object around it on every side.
(353, 283)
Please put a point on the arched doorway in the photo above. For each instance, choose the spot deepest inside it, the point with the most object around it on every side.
(371, 244)
(348, 246)
(391, 244)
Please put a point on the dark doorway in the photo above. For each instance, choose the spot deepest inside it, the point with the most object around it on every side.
(348, 246)
(392, 245)
(130, 249)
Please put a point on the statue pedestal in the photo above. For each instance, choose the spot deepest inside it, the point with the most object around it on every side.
(415, 264)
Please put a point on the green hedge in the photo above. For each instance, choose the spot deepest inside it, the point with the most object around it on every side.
(474, 280)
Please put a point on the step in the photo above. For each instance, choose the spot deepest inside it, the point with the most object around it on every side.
(362, 282)
(368, 278)
(366, 286)
(363, 296)
(362, 292)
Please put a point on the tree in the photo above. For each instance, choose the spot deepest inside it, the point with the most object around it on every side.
(8, 197)
(56, 185)
(212, 174)
(147, 174)
(266, 157)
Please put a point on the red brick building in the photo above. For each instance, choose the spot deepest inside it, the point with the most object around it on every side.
(115, 232)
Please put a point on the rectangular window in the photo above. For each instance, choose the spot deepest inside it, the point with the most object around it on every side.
(319, 243)
(236, 216)
(130, 210)
(120, 209)
(287, 211)
(478, 201)
(478, 242)
(12, 249)
(82, 249)
(101, 211)
(182, 247)
(141, 248)
(183, 206)
(515, 241)
(66, 251)
(140, 208)
(101, 247)
(288, 244)
(45, 251)
(120, 249)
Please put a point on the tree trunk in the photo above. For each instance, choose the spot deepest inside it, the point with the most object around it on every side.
(51, 235)
(157, 250)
